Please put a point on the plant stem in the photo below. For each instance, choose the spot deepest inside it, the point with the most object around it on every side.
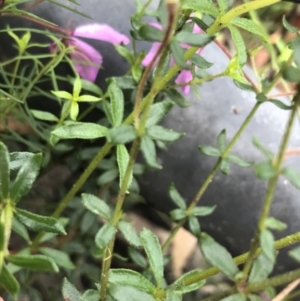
(272, 185)
(116, 217)
(65, 201)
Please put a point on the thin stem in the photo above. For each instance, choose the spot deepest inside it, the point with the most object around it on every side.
(116, 217)
(69, 196)
(172, 10)
(272, 185)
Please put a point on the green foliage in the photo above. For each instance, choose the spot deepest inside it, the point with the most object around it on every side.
(123, 128)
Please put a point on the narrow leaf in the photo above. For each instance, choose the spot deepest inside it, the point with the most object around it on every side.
(158, 132)
(39, 223)
(121, 134)
(80, 130)
(59, 257)
(117, 102)
(123, 160)
(9, 282)
(69, 292)
(124, 277)
(158, 111)
(176, 197)
(149, 152)
(154, 254)
(25, 177)
(34, 262)
(292, 175)
(4, 171)
(218, 256)
(129, 233)
(96, 205)
(105, 235)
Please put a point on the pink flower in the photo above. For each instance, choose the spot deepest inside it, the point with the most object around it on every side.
(185, 75)
(87, 60)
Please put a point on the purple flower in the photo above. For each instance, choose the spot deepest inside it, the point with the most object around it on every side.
(185, 75)
(87, 60)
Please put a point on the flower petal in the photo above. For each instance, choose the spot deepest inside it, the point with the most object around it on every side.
(150, 55)
(184, 77)
(87, 60)
(101, 32)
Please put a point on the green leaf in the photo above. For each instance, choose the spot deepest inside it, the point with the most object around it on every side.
(244, 86)
(275, 224)
(239, 44)
(160, 133)
(34, 262)
(288, 26)
(178, 54)
(204, 6)
(90, 295)
(149, 152)
(261, 269)
(194, 225)
(125, 82)
(267, 153)
(236, 297)
(39, 223)
(2, 241)
(295, 254)
(88, 86)
(251, 26)
(294, 45)
(59, 257)
(218, 256)
(223, 5)
(125, 53)
(4, 172)
(63, 94)
(203, 210)
(194, 39)
(121, 134)
(267, 244)
(96, 205)
(105, 235)
(69, 291)
(154, 254)
(150, 33)
(225, 166)
(18, 159)
(178, 214)
(180, 286)
(239, 161)
(137, 257)
(129, 234)
(221, 140)
(126, 293)
(200, 62)
(264, 170)
(80, 130)
(254, 298)
(9, 282)
(291, 74)
(88, 98)
(171, 295)
(20, 229)
(123, 160)
(292, 175)
(176, 197)
(107, 177)
(117, 102)
(124, 277)
(158, 111)
(209, 150)
(47, 116)
(178, 98)
(74, 111)
(280, 104)
(25, 177)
